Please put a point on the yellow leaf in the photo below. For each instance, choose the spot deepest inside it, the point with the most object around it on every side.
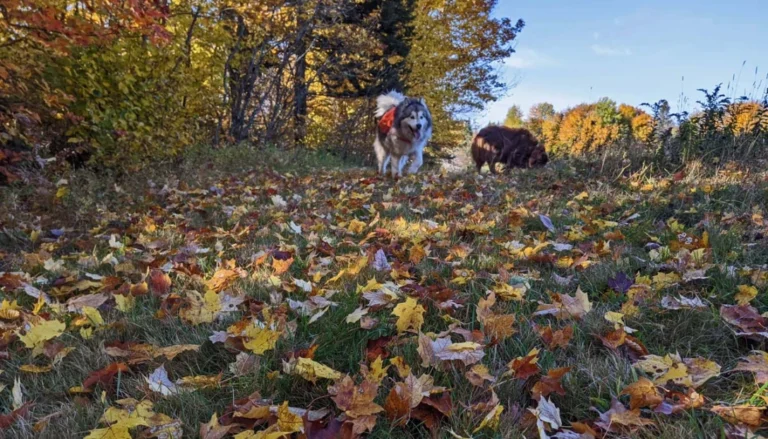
(745, 294)
(124, 303)
(508, 292)
(62, 192)
(201, 309)
(260, 340)
(256, 412)
(311, 370)
(403, 369)
(287, 421)
(491, 420)
(377, 372)
(93, 315)
(113, 432)
(38, 305)
(582, 196)
(564, 262)
(410, 315)
(616, 318)
(86, 333)
(355, 226)
(39, 334)
(664, 280)
(200, 381)
(32, 368)
(464, 346)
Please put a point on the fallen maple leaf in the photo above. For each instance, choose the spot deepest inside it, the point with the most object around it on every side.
(260, 340)
(40, 333)
(466, 352)
(745, 294)
(546, 413)
(398, 404)
(159, 282)
(669, 302)
(566, 306)
(740, 414)
(280, 266)
(376, 373)
(620, 283)
(199, 382)
(32, 368)
(556, 339)
(746, 318)
(403, 369)
(523, 368)
(159, 382)
(221, 279)
(355, 401)
(7, 420)
(642, 393)
(492, 420)
(244, 364)
(213, 430)
(676, 402)
(479, 374)
(356, 315)
(550, 383)
(105, 376)
(132, 414)
(692, 372)
(75, 304)
(756, 363)
(410, 315)
(443, 349)
(619, 419)
(380, 261)
(311, 370)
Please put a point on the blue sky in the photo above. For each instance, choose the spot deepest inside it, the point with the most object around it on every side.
(573, 51)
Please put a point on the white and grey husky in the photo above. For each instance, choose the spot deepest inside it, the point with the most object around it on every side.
(404, 129)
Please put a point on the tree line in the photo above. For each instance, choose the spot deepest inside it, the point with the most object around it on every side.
(138, 80)
(720, 127)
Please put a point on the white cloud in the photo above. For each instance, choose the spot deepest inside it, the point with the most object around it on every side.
(610, 51)
(596, 35)
(527, 59)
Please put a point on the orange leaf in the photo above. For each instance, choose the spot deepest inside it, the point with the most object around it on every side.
(550, 383)
(642, 393)
(160, 282)
(105, 376)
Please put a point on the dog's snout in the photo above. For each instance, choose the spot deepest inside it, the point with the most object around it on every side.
(418, 126)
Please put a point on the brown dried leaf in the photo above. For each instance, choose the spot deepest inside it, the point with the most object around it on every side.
(740, 414)
(549, 383)
(160, 282)
(642, 393)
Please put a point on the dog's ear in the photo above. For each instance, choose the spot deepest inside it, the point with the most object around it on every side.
(423, 101)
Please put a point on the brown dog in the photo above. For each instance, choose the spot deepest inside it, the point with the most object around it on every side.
(514, 147)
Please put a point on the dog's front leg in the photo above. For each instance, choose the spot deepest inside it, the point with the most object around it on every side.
(383, 164)
(381, 155)
(418, 160)
(401, 161)
(395, 166)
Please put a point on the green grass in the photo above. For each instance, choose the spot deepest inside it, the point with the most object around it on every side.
(155, 227)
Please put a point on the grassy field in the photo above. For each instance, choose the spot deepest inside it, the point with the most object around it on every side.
(439, 305)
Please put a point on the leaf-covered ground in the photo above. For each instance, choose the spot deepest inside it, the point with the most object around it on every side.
(327, 304)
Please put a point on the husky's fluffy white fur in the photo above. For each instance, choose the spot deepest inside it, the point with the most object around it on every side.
(404, 128)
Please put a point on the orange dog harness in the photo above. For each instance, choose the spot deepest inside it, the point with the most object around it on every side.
(386, 122)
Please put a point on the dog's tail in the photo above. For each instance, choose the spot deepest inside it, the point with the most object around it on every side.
(386, 102)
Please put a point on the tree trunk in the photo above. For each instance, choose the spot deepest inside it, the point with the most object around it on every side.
(300, 90)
